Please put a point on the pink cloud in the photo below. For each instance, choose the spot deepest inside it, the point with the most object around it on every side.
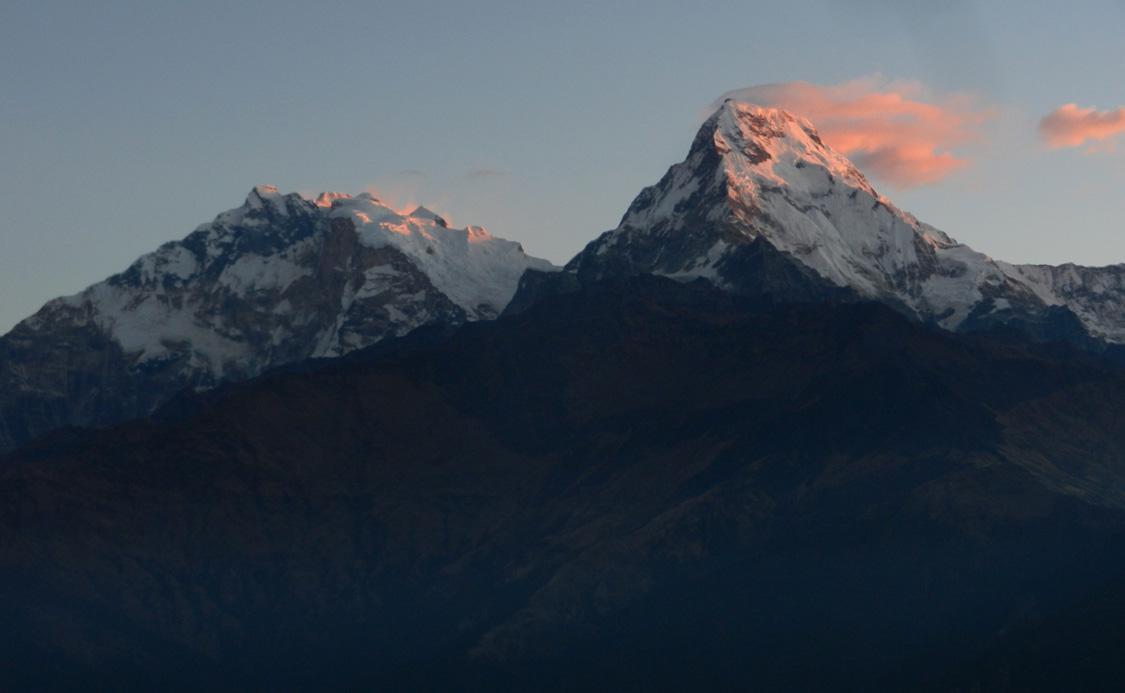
(1070, 126)
(894, 130)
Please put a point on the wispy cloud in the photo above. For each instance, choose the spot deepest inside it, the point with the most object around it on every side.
(486, 172)
(1071, 126)
(412, 173)
(898, 131)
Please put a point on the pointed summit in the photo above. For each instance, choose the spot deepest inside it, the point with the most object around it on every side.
(751, 174)
(421, 212)
(775, 143)
(263, 197)
(763, 205)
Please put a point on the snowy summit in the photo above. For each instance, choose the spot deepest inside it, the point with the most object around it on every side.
(279, 279)
(335, 274)
(762, 175)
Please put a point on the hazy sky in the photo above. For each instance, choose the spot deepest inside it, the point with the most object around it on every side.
(127, 124)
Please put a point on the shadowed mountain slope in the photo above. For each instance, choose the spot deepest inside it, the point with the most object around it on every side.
(638, 484)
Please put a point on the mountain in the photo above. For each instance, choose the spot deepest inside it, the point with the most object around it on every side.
(761, 206)
(761, 201)
(638, 485)
(277, 280)
(825, 447)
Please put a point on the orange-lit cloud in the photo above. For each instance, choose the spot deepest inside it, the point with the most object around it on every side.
(1070, 126)
(894, 130)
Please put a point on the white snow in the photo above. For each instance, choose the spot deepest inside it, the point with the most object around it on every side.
(814, 204)
(376, 280)
(144, 324)
(266, 196)
(467, 265)
(1095, 294)
(253, 272)
(163, 305)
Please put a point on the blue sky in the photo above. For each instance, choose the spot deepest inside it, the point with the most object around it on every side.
(127, 124)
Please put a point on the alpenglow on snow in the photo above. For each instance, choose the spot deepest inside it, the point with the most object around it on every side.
(756, 175)
(277, 280)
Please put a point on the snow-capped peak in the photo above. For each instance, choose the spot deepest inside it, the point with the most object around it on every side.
(325, 199)
(757, 174)
(752, 173)
(477, 271)
(423, 213)
(777, 145)
(262, 204)
(263, 193)
(278, 279)
(281, 278)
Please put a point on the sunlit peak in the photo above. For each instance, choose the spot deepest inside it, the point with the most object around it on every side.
(478, 234)
(327, 198)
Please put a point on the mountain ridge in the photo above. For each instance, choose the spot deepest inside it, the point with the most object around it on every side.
(752, 470)
(602, 470)
(274, 281)
(755, 173)
(760, 206)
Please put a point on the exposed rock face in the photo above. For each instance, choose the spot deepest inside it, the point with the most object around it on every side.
(275, 281)
(757, 176)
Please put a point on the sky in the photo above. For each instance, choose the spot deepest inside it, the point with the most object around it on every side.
(124, 125)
